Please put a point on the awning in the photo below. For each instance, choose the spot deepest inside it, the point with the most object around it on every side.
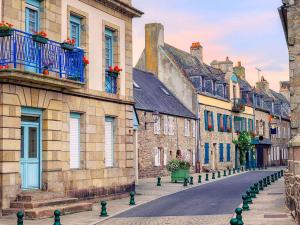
(265, 141)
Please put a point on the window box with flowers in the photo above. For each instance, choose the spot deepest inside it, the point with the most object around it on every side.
(40, 37)
(68, 44)
(210, 127)
(180, 169)
(229, 130)
(6, 29)
(114, 71)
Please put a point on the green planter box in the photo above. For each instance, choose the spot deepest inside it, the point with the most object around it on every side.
(40, 39)
(67, 46)
(179, 175)
(5, 33)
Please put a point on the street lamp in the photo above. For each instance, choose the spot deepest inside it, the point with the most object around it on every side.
(155, 116)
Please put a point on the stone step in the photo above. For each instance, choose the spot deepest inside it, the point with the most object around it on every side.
(42, 203)
(37, 195)
(47, 211)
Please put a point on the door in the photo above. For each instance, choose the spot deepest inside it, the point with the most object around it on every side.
(30, 155)
(32, 48)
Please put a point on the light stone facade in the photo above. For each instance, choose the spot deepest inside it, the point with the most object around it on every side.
(166, 143)
(57, 98)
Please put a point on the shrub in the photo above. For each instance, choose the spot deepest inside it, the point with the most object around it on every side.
(176, 164)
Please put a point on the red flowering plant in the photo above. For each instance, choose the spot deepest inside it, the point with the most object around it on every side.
(209, 127)
(41, 34)
(85, 61)
(6, 66)
(68, 44)
(5, 26)
(69, 41)
(40, 37)
(115, 69)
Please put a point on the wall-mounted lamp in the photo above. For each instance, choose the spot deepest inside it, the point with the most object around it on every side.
(155, 116)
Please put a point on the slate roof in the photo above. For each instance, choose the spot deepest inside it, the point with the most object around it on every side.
(149, 96)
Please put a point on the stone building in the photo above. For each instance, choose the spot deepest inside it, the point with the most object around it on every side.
(167, 129)
(285, 89)
(66, 128)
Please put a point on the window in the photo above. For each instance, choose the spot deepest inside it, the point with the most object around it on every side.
(278, 132)
(209, 120)
(206, 156)
(193, 128)
(32, 16)
(75, 29)
(165, 91)
(74, 141)
(221, 119)
(257, 127)
(221, 152)
(171, 125)
(109, 142)
(186, 127)
(156, 126)
(250, 125)
(165, 156)
(166, 125)
(135, 85)
(156, 157)
(110, 80)
(228, 153)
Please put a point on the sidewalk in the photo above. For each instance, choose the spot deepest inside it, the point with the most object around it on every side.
(146, 191)
(269, 207)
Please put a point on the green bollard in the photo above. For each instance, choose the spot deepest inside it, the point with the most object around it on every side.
(238, 170)
(57, 217)
(158, 181)
(229, 172)
(20, 216)
(249, 199)
(272, 178)
(219, 174)
(132, 202)
(233, 170)
(191, 180)
(281, 173)
(261, 188)
(245, 203)
(268, 180)
(256, 188)
(234, 221)
(265, 182)
(253, 195)
(185, 182)
(275, 176)
(199, 179)
(206, 177)
(242, 169)
(224, 175)
(103, 209)
(239, 217)
(213, 176)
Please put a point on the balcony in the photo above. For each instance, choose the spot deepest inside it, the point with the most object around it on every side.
(238, 105)
(19, 51)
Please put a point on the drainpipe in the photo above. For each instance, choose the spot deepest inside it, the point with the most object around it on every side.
(198, 139)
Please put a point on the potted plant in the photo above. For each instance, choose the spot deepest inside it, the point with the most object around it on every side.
(40, 37)
(85, 61)
(4, 66)
(68, 44)
(114, 71)
(6, 29)
(209, 127)
(46, 70)
(180, 169)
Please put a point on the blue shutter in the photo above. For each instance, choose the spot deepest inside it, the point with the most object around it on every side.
(253, 129)
(225, 123)
(221, 152)
(230, 121)
(218, 121)
(108, 48)
(228, 152)
(212, 121)
(75, 29)
(205, 120)
(206, 157)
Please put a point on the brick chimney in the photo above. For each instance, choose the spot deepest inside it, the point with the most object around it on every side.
(197, 51)
(154, 37)
(263, 84)
(239, 70)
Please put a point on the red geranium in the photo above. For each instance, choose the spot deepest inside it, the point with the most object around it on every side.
(41, 33)
(5, 26)
(115, 69)
(70, 41)
(4, 66)
(85, 61)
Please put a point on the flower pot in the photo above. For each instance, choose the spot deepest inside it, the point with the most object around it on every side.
(180, 175)
(113, 74)
(6, 32)
(39, 39)
(46, 72)
(67, 46)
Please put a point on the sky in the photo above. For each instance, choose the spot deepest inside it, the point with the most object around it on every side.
(249, 31)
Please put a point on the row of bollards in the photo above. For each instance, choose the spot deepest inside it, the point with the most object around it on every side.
(251, 193)
(20, 216)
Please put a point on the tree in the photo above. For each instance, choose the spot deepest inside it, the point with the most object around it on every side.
(244, 145)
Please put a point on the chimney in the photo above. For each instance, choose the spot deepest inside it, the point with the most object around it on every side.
(197, 51)
(154, 37)
(239, 70)
(263, 84)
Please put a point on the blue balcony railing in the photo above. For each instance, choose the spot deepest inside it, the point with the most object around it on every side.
(110, 82)
(20, 51)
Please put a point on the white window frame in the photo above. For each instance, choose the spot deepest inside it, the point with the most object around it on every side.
(193, 128)
(109, 154)
(156, 125)
(165, 156)
(156, 157)
(171, 125)
(186, 127)
(166, 125)
(74, 143)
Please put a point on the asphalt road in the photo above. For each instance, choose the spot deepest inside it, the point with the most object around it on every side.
(220, 197)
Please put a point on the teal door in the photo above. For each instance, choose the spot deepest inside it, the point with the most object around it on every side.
(30, 155)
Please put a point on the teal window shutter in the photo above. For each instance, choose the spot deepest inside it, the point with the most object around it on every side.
(225, 123)
(75, 29)
(218, 121)
(221, 152)
(228, 152)
(253, 129)
(109, 51)
(230, 121)
(212, 121)
(32, 16)
(206, 157)
(205, 120)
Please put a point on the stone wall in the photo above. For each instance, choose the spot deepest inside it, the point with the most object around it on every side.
(148, 141)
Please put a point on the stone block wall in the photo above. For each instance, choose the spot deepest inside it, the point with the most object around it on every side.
(148, 141)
